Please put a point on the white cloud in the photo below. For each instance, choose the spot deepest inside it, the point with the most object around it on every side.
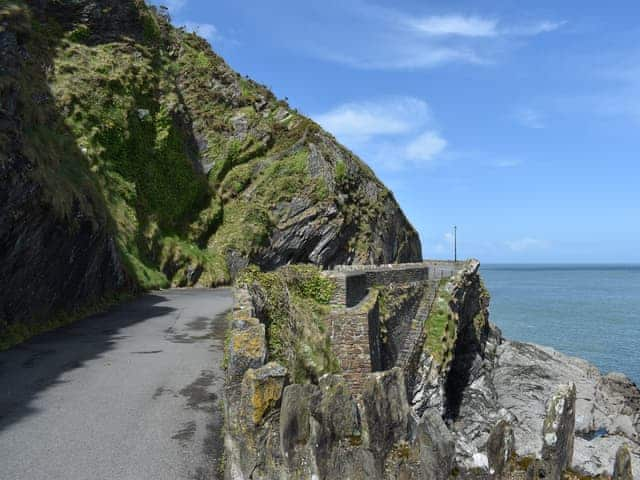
(426, 147)
(359, 121)
(609, 86)
(205, 30)
(530, 118)
(532, 29)
(526, 243)
(507, 163)
(393, 39)
(456, 25)
(365, 35)
(392, 133)
(469, 26)
(407, 57)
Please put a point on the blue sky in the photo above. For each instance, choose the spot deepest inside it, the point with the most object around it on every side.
(517, 121)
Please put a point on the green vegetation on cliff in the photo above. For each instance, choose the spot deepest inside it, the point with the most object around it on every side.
(440, 326)
(136, 141)
(295, 307)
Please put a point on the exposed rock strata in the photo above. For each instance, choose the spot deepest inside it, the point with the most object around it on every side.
(274, 430)
(500, 451)
(517, 383)
(51, 263)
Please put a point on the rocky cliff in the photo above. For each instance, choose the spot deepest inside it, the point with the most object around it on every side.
(464, 403)
(132, 156)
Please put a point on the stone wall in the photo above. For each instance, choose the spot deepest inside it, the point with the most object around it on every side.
(353, 281)
(355, 318)
(399, 307)
(355, 339)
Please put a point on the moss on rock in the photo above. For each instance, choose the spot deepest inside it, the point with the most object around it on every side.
(294, 307)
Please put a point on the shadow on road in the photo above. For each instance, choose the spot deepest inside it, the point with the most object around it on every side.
(38, 364)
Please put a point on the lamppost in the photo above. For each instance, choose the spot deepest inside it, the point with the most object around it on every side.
(455, 243)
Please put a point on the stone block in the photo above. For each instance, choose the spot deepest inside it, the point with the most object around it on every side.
(261, 391)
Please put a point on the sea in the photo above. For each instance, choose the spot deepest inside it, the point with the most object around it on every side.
(588, 311)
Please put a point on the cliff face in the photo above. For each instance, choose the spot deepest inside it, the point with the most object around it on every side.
(57, 252)
(133, 156)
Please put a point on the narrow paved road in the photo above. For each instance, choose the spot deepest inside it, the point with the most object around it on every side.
(130, 394)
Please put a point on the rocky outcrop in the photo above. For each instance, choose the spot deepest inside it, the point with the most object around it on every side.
(323, 430)
(58, 254)
(501, 451)
(558, 432)
(446, 368)
(516, 385)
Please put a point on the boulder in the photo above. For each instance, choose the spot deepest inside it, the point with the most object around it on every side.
(247, 349)
(321, 432)
(622, 467)
(261, 391)
(437, 446)
(337, 410)
(558, 432)
(500, 450)
(386, 410)
(341, 446)
(295, 430)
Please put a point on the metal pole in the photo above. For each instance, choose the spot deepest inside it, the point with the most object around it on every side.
(455, 243)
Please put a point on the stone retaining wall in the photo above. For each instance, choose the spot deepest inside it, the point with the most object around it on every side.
(355, 339)
(353, 281)
(401, 304)
(355, 320)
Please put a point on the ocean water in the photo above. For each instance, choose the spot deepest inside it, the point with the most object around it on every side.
(589, 311)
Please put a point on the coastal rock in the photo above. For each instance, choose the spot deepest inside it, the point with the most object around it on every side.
(437, 445)
(261, 391)
(526, 375)
(386, 409)
(516, 385)
(322, 431)
(622, 468)
(295, 430)
(500, 451)
(340, 450)
(502, 410)
(558, 430)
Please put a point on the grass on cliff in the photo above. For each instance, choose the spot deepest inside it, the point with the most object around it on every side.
(440, 326)
(296, 306)
(127, 123)
(104, 127)
(121, 109)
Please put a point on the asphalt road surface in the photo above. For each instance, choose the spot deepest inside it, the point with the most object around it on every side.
(134, 393)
